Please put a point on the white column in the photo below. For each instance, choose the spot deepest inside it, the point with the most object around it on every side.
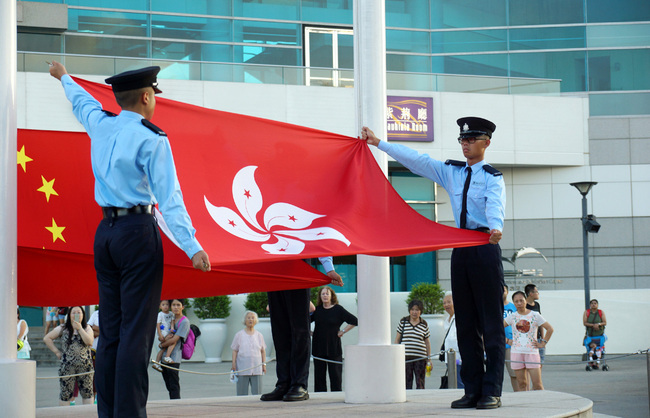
(18, 396)
(374, 368)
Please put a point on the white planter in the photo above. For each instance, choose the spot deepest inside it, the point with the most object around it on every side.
(264, 328)
(213, 338)
(436, 324)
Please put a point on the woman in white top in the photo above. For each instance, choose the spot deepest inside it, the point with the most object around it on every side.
(451, 338)
(21, 332)
(249, 350)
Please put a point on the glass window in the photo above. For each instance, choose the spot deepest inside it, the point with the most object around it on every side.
(567, 66)
(409, 63)
(469, 41)
(619, 104)
(618, 35)
(191, 51)
(112, 4)
(486, 64)
(267, 9)
(107, 23)
(261, 54)
(327, 11)
(546, 12)
(407, 14)
(467, 13)
(201, 7)
(619, 70)
(407, 41)
(267, 33)
(196, 28)
(320, 52)
(547, 38)
(39, 42)
(618, 11)
(87, 45)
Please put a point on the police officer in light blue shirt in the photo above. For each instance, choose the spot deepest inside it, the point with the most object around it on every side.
(477, 194)
(134, 169)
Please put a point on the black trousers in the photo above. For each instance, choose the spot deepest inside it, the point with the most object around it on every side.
(477, 287)
(321, 368)
(290, 328)
(129, 265)
(172, 381)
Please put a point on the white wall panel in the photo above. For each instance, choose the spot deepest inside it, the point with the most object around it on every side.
(611, 173)
(532, 201)
(641, 198)
(611, 199)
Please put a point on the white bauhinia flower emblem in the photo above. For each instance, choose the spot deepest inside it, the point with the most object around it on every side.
(284, 223)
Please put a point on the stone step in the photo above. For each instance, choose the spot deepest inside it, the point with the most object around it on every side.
(40, 353)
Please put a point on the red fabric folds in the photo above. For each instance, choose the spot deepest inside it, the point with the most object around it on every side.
(262, 195)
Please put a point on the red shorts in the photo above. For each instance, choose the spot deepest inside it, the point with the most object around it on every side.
(524, 361)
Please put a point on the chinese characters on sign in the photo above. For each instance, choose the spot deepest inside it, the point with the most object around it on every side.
(409, 118)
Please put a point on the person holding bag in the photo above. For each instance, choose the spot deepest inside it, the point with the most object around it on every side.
(451, 340)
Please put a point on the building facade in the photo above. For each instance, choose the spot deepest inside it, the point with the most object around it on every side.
(525, 65)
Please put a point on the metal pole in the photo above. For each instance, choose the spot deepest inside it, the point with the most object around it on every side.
(452, 370)
(585, 249)
(647, 356)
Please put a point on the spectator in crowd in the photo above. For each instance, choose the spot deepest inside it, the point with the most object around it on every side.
(21, 333)
(51, 318)
(532, 295)
(94, 324)
(249, 356)
(76, 357)
(326, 344)
(413, 332)
(62, 311)
(451, 337)
(508, 308)
(164, 328)
(594, 320)
(525, 348)
(170, 376)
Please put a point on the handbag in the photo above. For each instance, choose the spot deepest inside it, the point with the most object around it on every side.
(444, 381)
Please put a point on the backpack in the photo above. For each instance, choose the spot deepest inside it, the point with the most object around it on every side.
(189, 343)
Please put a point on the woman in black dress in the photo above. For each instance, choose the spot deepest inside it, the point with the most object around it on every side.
(328, 318)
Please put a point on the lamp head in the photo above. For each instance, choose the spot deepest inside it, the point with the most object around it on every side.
(584, 186)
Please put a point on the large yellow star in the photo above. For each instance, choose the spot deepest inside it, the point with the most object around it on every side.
(57, 231)
(23, 159)
(47, 188)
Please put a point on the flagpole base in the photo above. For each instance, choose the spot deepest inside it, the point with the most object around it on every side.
(18, 396)
(375, 374)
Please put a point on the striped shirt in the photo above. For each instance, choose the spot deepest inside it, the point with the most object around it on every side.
(414, 337)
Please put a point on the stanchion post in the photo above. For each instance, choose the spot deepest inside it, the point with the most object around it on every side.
(647, 356)
(452, 372)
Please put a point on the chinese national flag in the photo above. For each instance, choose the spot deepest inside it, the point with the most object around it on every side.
(262, 195)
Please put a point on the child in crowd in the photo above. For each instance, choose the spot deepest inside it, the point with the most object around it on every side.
(165, 328)
(595, 353)
(524, 353)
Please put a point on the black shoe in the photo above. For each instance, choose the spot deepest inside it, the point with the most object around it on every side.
(296, 393)
(467, 401)
(277, 394)
(489, 402)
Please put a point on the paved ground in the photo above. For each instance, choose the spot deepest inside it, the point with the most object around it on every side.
(622, 392)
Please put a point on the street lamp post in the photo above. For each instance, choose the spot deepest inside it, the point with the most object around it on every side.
(589, 224)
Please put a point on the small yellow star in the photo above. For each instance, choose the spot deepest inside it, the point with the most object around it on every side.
(47, 188)
(57, 231)
(23, 159)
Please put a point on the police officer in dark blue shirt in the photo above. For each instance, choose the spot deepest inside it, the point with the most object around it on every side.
(134, 169)
(478, 198)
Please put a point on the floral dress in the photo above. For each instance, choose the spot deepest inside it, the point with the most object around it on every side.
(76, 358)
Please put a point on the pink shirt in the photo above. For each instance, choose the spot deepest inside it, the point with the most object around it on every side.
(249, 352)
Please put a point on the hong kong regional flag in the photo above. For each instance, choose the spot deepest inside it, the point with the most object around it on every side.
(262, 195)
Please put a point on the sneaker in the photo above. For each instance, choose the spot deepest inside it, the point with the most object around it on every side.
(157, 367)
(168, 360)
(73, 403)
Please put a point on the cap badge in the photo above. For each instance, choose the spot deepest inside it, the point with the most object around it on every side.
(465, 127)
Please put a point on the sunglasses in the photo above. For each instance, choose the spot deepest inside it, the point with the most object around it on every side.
(470, 139)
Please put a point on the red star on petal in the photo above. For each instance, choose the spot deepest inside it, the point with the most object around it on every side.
(247, 193)
(231, 223)
(283, 249)
(320, 233)
(292, 218)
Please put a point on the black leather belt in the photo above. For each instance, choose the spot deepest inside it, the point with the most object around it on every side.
(480, 229)
(112, 212)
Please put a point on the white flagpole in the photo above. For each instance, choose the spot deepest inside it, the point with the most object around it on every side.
(18, 396)
(374, 369)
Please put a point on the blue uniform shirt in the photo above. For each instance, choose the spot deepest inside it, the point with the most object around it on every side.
(132, 165)
(486, 198)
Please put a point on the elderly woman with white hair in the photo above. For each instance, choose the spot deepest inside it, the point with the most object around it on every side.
(451, 338)
(248, 351)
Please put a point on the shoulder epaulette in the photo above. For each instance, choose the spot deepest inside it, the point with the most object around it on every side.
(492, 170)
(153, 127)
(456, 163)
(109, 113)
